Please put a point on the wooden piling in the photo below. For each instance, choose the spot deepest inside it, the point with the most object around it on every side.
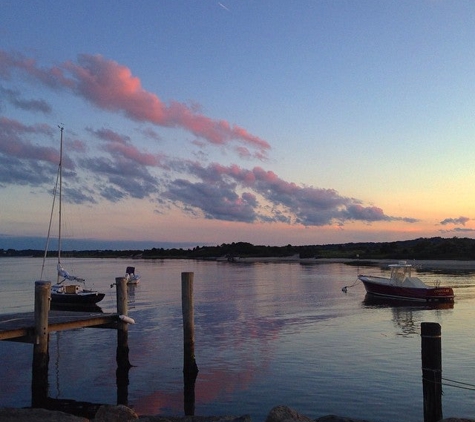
(189, 362)
(39, 384)
(189, 380)
(190, 369)
(121, 292)
(122, 354)
(431, 352)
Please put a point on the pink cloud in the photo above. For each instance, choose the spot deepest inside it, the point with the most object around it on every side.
(14, 98)
(24, 162)
(77, 146)
(53, 77)
(120, 145)
(132, 153)
(289, 202)
(109, 135)
(12, 143)
(150, 133)
(112, 86)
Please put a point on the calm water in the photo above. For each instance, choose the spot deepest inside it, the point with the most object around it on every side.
(266, 334)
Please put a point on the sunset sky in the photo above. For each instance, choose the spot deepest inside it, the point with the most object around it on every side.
(197, 122)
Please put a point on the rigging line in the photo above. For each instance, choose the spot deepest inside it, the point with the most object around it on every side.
(60, 171)
(458, 382)
(459, 386)
(470, 386)
(345, 288)
(50, 223)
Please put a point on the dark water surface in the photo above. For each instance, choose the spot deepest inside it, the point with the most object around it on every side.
(266, 334)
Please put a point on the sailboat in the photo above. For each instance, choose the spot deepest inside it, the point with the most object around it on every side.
(69, 289)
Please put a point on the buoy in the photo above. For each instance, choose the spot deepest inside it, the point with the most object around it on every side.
(126, 319)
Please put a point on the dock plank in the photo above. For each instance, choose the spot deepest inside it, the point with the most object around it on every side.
(22, 325)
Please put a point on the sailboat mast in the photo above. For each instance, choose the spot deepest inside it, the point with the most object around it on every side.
(60, 169)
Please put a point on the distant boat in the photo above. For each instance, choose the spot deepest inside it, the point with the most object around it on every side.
(131, 277)
(402, 285)
(69, 289)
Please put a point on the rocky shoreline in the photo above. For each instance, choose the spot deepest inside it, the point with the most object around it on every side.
(122, 413)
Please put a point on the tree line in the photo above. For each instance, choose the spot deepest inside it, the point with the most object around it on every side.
(422, 248)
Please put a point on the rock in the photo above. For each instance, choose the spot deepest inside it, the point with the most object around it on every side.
(118, 413)
(286, 414)
(105, 413)
(245, 418)
(37, 415)
(333, 418)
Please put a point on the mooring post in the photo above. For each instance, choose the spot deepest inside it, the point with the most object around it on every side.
(121, 291)
(190, 369)
(431, 352)
(39, 382)
(122, 355)
(189, 362)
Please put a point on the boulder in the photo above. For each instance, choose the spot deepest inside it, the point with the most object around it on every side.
(286, 414)
(120, 413)
(333, 418)
(245, 418)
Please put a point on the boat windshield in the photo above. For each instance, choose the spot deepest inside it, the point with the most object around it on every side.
(400, 271)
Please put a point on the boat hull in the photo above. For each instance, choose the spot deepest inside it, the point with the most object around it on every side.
(83, 298)
(435, 294)
(133, 280)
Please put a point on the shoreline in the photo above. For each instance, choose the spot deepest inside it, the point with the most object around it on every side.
(423, 264)
(121, 413)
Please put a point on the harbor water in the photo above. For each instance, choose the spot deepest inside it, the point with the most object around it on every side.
(266, 334)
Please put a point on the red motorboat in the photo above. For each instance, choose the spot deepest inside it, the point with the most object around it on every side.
(402, 285)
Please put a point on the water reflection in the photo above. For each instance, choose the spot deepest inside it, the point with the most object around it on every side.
(41, 388)
(258, 326)
(76, 308)
(406, 315)
(131, 295)
(371, 301)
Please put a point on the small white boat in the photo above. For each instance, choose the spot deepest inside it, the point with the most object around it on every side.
(131, 277)
(402, 285)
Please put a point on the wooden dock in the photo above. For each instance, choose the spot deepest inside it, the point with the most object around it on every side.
(21, 327)
(35, 328)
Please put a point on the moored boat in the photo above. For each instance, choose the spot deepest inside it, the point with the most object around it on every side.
(131, 277)
(73, 293)
(69, 289)
(402, 285)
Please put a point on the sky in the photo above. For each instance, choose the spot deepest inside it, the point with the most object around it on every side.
(201, 122)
